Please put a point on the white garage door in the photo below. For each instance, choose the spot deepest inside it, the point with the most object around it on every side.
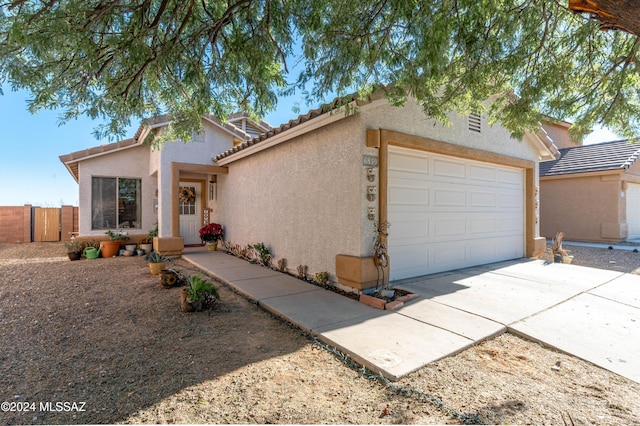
(633, 210)
(447, 213)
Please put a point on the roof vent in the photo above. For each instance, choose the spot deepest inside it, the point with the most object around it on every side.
(475, 122)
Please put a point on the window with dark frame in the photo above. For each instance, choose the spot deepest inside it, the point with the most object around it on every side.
(115, 203)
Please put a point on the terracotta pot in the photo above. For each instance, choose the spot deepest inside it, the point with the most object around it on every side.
(168, 278)
(184, 302)
(155, 268)
(109, 248)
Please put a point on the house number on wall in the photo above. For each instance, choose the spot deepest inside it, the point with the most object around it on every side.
(370, 160)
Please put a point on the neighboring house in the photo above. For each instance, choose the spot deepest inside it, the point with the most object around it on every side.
(592, 193)
(312, 189)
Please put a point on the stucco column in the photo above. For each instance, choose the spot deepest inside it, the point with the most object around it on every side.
(164, 202)
(175, 205)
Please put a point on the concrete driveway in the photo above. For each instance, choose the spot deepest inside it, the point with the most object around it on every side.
(591, 313)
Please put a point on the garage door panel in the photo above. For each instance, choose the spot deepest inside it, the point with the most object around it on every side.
(481, 226)
(510, 178)
(507, 247)
(482, 199)
(411, 260)
(408, 230)
(510, 200)
(407, 164)
(482, 174)
(401, 193)
(509, 226)
(449, 227)
(482, 251)
(447, 256)
(475, 214)
(449, 197)
(449, 168)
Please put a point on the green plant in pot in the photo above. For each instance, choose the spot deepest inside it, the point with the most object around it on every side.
(146, 243)
(74, 249)
(197, 294)
(111, 247)
(157, 262)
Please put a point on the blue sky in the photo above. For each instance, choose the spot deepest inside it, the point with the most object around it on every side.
(30, 144)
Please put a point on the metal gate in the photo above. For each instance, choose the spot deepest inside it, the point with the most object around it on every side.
(46, 224)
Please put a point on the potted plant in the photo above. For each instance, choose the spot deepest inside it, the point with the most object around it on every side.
(131, 248)
(171, 278)
(157, 262)
(146, 243)
(74, 249)
(211, 234)
(198, 293)
(110, 248)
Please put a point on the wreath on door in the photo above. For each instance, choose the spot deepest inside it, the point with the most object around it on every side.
(187, 195)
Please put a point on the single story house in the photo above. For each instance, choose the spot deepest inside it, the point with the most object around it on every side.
(592, 192)
(313, 189)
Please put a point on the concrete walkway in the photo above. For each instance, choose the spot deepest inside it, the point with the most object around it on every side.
(591, 313)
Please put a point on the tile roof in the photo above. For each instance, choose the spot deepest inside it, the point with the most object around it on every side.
(616, 155)
(314, 113)
(71, 160)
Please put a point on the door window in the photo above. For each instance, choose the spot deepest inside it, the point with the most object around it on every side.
(187, 200)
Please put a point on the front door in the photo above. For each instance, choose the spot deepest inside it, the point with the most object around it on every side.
(190, 194)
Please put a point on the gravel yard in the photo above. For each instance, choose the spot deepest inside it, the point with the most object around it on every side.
(603, 258)
(98, 341)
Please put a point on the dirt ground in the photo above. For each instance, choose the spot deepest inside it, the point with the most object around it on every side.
(99, 341)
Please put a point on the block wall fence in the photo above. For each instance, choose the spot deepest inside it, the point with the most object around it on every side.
(17, 223)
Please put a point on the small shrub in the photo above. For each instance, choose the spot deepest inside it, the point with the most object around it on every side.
(117, 235)
(321, 278)
(73, 246)
(155, 257)
(282, 265)
(199, 287)
(261, 254)
(302, 272)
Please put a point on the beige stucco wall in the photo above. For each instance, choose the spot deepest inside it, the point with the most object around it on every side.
(589, 206)
(128, 163)
(559, 133)
(215, 141)
(411, 120)
(584, 208)
(306, 198)
(302, 198)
